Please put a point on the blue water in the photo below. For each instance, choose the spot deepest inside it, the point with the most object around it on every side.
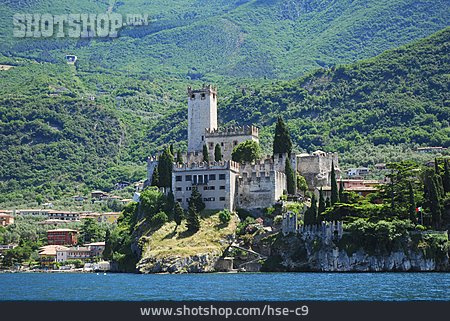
(226, 287)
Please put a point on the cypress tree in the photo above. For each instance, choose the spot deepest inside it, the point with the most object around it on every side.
(107, 252)
(205, 153)
(446, 177)
(311, 212)
(196, 200)
(179, 157)
(436, 166)
(193, 219)
(155, 177)
(171, 150)
(178, 213)
(412, 205)
(165, 165)
(432, 196)
(327, 202)
(282, 141)
(334, 187)
(217, 153)
(341, 192)
(290, 178)
(322, 205)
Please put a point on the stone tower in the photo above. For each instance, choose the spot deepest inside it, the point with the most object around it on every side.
(202, 114)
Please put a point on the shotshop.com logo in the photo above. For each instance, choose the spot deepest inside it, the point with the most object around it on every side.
(86, 25)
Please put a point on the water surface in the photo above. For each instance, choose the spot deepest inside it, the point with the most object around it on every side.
(225, 287)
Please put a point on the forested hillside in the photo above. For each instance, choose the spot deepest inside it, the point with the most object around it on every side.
(200, 39)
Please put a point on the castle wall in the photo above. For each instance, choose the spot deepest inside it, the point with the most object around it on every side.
(229, 138)
(316, 168)
(259, 186)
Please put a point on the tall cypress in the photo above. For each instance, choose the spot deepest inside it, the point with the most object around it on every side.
(290, 178)
(205, 153)
(341, 192)
(193, 219)
(165, 166)
(311, 212)
(432, 196)
(171, 149)
(327, 202)
(436, 166)
(196, 200)
(155, 177)
(178, 213)
(217, 153)
(322, 205)
(282, 141)
(446, 177)
(412, 205)
(179, 157)
(334, 187)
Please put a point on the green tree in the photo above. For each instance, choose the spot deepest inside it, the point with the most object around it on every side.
(436, 166)
(328, 202)
(171, 150)
(159, 220)
(302, 185)
(412, 204)
(311, 212)
(446, 176)
(193, 219)
(196, 200)
(90, 231)
(322, 205)
(217, 153)
(432, 196)
(39, 199)
(165, 165)
(205, 153)
(247, 151)
(282, 140)
(152, 201)
(170, 204)
(155, 177)
(290, 178)
(178, 213)
(224, 216)
(107, 252)
(342, 197)
(334, 187)
(179, 157)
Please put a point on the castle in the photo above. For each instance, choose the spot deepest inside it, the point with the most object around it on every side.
(227, 184)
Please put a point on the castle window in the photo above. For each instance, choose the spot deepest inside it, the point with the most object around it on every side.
(203, 138)
(178, 189)
(222, 198)
(211, 145)
(178, 178)
(222, 187)
(212, 177)
(203, 96)
(222, 176)
(221, 144)
(189, 188)
(188, 178)
(235, 142)
(214, 96)
(193, 96)
(179, 200)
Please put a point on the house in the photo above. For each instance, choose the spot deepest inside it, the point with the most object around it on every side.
(47, 254)
(6, 247)
(6, 219)
(73, 253)
(33, 212)
(360, 171)
(361, 187)
(380, 166)
(71, 59)
(110, 217)
(96, 248)
(62, 237)
(99, 195)
(429, 149)
(63, 215)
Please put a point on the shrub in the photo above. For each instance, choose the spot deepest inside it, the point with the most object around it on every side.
(225, 216)
(159, 220)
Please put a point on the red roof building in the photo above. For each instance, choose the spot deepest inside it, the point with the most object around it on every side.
(62, 237)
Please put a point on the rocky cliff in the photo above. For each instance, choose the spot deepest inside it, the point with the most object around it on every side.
(291, 253)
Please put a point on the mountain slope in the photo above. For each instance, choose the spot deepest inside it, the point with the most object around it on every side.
(240, 38)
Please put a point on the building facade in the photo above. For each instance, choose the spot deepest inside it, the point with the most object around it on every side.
(62, 237)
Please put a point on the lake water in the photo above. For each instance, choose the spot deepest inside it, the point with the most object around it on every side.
(226, 287)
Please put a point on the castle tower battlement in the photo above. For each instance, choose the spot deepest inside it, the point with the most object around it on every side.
(227, 165)
(232, 131)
